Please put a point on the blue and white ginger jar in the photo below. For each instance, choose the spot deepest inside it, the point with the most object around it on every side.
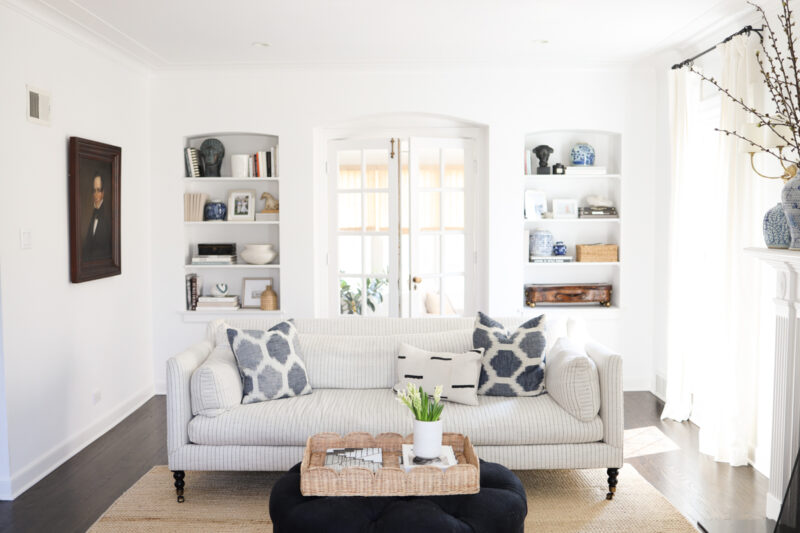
(215, 210)
(790, 200)
(559, 248)
(582, 154)
(776, 228)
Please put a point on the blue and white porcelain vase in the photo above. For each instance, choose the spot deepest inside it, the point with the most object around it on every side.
(541, 243)
(559, 248)
(582, 154)
(215, 210)
(790, 200)
(776, 228)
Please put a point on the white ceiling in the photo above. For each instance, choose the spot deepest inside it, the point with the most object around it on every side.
(195, 33)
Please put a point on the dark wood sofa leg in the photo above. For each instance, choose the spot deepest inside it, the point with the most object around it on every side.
(179, 484)
(612, 482)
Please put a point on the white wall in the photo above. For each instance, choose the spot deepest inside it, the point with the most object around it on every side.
(63, 341)
(291, 103)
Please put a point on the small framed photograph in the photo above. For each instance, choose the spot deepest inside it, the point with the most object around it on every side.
(535, 204)
(242, 205)
(565, 208)
(251, 291)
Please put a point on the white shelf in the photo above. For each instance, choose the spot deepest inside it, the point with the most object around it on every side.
(233, 222)
(229, 178)
(614, 220)
(590, 311)
(207, 316)
(572, 176)
(575, 264)
(193, 267)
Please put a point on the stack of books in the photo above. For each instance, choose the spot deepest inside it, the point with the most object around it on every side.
(585, 171)
(263, 163)
(551, 259)
(213, 259)
(597, 212)
(444, 461)
(217, 303)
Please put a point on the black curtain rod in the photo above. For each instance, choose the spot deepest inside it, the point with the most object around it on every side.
(746, 29)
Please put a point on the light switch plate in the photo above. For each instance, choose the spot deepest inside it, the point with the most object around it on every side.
(25, 239)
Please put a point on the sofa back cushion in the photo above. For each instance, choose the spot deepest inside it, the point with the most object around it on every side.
(216, 386)
(572, 379)
(368, 362)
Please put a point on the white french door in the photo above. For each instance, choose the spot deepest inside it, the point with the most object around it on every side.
(440, 248)
(401, 235)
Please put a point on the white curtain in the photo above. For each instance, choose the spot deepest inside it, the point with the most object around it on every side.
(715, 290)
(683, 95)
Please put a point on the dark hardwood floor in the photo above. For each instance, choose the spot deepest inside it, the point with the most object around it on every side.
(73, 496)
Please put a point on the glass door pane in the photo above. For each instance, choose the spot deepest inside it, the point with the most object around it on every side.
(440, 234)
(364, 230)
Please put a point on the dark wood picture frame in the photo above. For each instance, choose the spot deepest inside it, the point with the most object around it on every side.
(94, 232)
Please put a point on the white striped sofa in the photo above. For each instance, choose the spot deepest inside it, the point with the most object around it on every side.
(351, 368)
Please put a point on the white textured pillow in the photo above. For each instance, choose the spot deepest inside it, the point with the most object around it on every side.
(572, 380)
(457, 373)
(216, 386)
(366, 361)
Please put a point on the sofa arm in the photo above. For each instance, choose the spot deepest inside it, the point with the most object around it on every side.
(612, 413)
(179, 401)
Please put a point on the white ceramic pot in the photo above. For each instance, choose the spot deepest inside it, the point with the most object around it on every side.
(427, 439)
(258, 254)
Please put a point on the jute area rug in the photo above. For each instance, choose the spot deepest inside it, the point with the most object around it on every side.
(559, 501)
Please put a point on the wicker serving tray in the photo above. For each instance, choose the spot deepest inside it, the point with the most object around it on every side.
(392, 479)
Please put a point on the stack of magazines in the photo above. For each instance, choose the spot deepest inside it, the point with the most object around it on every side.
(213, 259)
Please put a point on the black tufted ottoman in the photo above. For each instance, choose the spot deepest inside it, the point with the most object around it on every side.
(500, 507)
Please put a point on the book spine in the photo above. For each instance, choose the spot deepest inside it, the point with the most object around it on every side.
(194, 293)
(275, 167)
(269, 164)
(188, 292)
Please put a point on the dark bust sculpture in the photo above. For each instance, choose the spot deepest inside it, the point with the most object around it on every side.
(542, 153)
(211, 154)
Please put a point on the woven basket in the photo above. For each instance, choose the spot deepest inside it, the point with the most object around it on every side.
(391, 479)
(597, 253)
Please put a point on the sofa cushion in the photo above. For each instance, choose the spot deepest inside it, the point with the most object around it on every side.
(572, 379)
(497, 420)
(216, 385)
(457, 373)
(512, 362)
(269, 362)
(368, 361)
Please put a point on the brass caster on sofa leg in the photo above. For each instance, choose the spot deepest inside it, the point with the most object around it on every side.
(612, 482)
(179, 484)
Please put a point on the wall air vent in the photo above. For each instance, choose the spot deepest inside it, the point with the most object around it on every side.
(38, 106)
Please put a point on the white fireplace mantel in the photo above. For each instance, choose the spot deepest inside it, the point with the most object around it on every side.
(786, 392)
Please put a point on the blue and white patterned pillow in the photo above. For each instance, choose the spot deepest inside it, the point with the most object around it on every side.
(512, 363)
(269, 362)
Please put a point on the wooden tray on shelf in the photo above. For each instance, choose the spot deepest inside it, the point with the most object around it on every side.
(391, 479)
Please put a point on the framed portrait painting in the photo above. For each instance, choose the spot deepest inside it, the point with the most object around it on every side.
(94, 210)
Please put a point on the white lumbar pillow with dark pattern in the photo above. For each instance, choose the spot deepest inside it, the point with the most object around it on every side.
(457, 373)
(512, 362)
(269, 362)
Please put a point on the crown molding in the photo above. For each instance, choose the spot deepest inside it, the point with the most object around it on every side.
(57, 22)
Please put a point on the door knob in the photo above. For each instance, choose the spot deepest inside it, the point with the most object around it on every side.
(416, 279)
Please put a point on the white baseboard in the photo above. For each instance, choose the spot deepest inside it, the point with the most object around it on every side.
(773, 507)
(160, 387)
(58, 455)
